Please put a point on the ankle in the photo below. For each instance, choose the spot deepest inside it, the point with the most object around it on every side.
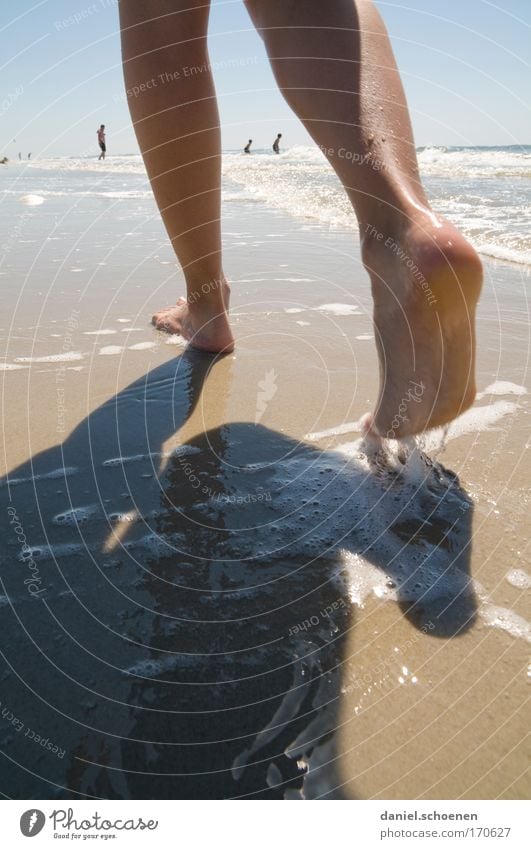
(207, 293)
(421, 231)
(427, 251)
(383, 221)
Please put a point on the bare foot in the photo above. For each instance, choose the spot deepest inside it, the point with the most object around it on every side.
(425, 284)
(202, 324)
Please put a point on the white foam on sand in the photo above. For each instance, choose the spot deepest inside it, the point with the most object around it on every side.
(31, 200)
(66, 357)
(133, 458)
(502, 387)
(55, 474)
(365, 336)
(505, 620)
(10, 366)
(292, 280)
(366, 580)
(120, 524)
(175, 339)
(110, 350)
(518, 578)
(473, 421)
(128, 518)
(123, 320)
(77, 516)
(348, 427)
(142, 346)
(156, 544)
(105, 332)
(338, 309)
(152, 668)
(179, 451)
(51, 552)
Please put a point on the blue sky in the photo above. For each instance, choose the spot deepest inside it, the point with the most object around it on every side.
(465, 66)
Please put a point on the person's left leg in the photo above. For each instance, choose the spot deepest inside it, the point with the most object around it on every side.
(334, 65)
(173, 105)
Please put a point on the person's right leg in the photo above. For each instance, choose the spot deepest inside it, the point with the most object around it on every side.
(334, 64)
(173, 105)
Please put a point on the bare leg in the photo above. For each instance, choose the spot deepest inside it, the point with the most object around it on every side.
(335, 67)
(175, 115)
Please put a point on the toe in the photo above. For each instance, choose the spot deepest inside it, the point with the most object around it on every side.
(160, 320)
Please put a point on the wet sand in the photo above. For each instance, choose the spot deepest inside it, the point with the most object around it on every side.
(220, 580)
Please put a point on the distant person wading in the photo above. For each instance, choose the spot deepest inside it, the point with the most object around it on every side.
(101, 141)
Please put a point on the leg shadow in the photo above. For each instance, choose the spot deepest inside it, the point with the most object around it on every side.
(175, 625)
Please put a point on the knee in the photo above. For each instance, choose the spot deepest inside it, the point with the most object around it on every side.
(270, 14)
(166, 19)
(254, 8)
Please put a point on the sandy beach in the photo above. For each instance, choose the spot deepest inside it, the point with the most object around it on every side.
(211, 586)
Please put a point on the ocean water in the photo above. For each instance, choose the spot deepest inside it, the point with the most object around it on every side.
(485, 191)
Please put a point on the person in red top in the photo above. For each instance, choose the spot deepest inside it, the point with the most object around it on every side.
(101, 141)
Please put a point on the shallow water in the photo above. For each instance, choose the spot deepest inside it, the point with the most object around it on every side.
(485, 191)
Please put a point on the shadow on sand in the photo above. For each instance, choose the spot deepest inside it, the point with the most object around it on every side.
(180, 616)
